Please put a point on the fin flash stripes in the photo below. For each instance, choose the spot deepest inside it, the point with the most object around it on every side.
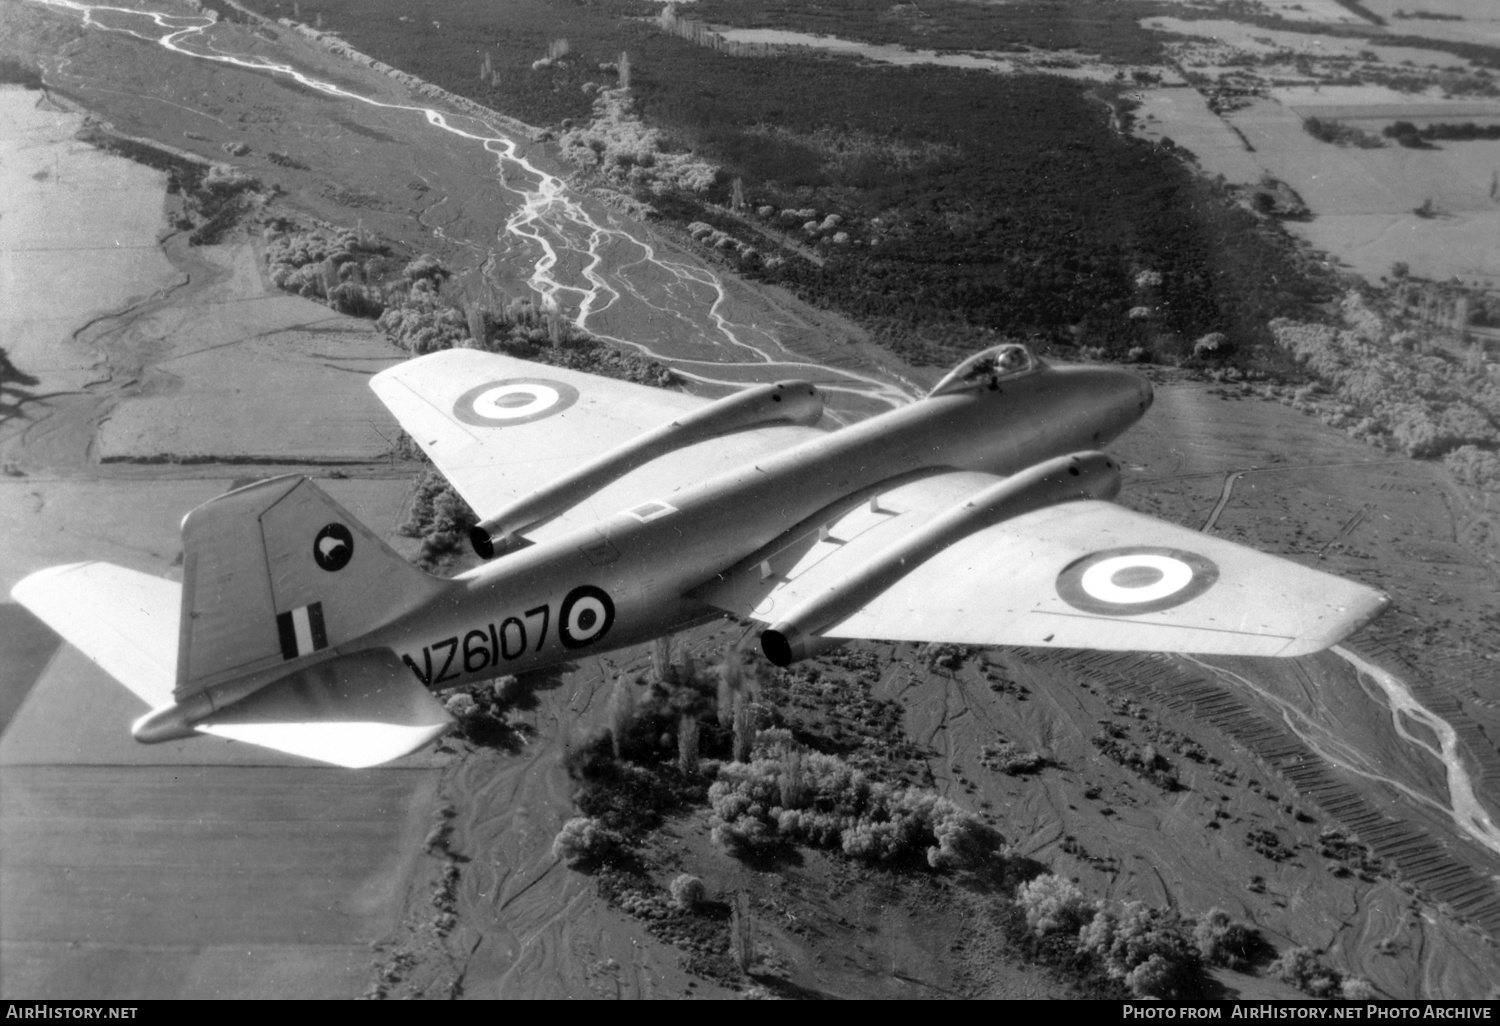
(302, 631)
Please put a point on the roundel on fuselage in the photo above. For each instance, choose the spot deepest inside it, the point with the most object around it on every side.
(512, 401)
(586, 616)
(1135, 579)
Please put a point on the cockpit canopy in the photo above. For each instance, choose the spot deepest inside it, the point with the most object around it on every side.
(989, 368)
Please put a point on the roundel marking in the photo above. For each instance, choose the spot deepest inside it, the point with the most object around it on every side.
(586, 615)
(513, 401)
(333, 547)
(1135, 579)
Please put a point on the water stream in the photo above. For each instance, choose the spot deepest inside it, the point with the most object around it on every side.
(548, 222)
(1462, 805)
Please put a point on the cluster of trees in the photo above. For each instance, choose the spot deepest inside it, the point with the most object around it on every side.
(1341, 134)
(1152, 952)
(1084, 26)
(1409, 135)
(1388, 389)
(787, 794)
(1160, 954)
(1302, 969)
(357, 274)
(441, 518)
(351, 270)
(620, 146)
(767, 789)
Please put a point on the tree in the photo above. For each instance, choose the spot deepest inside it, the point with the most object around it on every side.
(742, 933)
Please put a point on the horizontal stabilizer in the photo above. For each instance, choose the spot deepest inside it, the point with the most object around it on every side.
(123, 620)
(354, 711)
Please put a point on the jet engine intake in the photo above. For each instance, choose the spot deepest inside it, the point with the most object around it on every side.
(1083, 475)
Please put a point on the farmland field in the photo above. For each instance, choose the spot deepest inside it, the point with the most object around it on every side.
(1480, 22)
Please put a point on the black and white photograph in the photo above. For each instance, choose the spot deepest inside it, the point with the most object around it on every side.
(740, 499)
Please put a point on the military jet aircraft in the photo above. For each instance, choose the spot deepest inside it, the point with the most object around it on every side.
(613, 513)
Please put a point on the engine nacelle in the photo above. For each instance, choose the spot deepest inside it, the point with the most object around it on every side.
(1085, 475)
(785, 402)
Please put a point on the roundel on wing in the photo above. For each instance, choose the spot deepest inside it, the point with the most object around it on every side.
(333, 547)
(512, 401)
(1135, 579)
(586, 615)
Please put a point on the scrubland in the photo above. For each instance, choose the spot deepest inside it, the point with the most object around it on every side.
(1016, 208)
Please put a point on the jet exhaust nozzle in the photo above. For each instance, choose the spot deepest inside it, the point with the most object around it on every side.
(484, 545)
(784, 645)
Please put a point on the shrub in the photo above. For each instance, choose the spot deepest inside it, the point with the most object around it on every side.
(1355, 988)
(1011, 759)
(1301, 968)
(1476, 467)
(1146, 949)
(1053, 905)
(1211, 345)
(1223, 941)
(688, 892)
(424, 266)
(583, 839)
(461, 705)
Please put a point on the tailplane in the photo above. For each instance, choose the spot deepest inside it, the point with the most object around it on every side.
(123, 620)
(276, 576)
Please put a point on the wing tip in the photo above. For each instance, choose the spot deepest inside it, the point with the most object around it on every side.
(28, 585)
(1349, 619)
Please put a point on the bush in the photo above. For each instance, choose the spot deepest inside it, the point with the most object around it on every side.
(583, 839)
(1475, 467)
(1222, 941)
(1146, 949)
(425, 266)
(1011, 759)
(688, 892)
(1214, 344)
(1301, 968)
(1053, 905)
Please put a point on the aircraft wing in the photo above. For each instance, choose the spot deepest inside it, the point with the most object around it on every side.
(1082, 574)
(500, 427)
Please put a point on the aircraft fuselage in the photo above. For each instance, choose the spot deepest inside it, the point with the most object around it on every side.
(625, 579)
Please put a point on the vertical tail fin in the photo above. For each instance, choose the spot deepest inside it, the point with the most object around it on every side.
(277, 571)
